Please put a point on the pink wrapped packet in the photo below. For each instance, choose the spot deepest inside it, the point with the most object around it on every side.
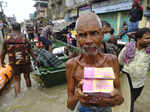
(98, 86)
(99, 73)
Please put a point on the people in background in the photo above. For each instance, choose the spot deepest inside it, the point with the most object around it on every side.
(106, 31)
(44, 36)
(110, 41)
(123, 28)
(30, 31)
(19, 50)
(71, 37)
(1, 38)
(136, 15)
(135, 59)
(74, 36)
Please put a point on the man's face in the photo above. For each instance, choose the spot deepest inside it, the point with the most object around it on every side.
(106, 29)
(145, 40)
(135, 3)
(89, 38)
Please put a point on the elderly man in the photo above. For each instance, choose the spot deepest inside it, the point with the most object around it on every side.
(89, 38)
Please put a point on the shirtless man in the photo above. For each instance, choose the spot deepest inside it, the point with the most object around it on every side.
(89, 38)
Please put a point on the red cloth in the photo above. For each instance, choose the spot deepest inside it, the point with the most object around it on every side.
(138, 2)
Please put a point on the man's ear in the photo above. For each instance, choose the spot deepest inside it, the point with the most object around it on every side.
(103, 30)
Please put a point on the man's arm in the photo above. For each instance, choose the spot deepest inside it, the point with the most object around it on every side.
(72, 95)
(115, 97)
(116, 68)
(121, 56)
(31, 52)
(33, 56)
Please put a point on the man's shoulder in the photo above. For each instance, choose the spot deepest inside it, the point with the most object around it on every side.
(110, 57)
(71, 62)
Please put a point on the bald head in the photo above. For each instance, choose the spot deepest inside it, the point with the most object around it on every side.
(88, 19)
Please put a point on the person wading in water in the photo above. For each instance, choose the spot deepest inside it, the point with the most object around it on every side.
(19, 50)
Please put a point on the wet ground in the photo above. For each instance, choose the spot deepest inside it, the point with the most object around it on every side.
(35, 99)
(38, 99)
(143, 103)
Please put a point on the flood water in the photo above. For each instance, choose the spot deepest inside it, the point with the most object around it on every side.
(39, 99)
(35, 99)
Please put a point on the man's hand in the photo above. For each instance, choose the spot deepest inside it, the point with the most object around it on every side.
(116, 98)
(2, 64)
(82, 96)
(35, 63)
(115, 92)
(87, 98)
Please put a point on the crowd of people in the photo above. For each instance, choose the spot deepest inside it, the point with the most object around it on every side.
(99, 48)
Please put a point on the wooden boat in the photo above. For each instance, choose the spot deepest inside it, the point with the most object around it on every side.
(55, 75)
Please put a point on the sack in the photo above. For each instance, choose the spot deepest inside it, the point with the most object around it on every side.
(47, 59)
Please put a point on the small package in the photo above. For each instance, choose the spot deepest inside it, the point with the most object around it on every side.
(98, 80)
(95, 86)
(99, 73)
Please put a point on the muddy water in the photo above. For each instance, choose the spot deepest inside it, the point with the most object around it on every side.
(35, 99)
(39, 99)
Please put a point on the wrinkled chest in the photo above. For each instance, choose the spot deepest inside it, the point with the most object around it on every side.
(78, 74)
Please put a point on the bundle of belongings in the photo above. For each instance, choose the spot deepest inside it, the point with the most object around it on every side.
(98, 80)
(47, 59)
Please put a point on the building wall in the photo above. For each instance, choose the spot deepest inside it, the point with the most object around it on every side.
(57, 9)
(116, 19)
(114, 16)
(41, 11)
(73, 9)
(111, 18)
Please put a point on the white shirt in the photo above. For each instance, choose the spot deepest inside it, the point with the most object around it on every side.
(46, 30)
(137, 68)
